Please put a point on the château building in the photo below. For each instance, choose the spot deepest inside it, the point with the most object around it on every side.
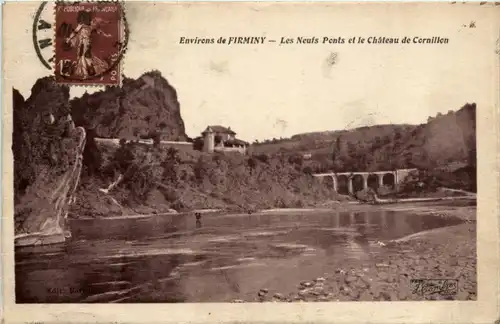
(218, 138)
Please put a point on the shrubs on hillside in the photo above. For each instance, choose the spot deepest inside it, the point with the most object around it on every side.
(211, 180)
(431, 180)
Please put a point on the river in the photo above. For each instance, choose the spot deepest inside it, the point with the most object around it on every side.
(221, 257)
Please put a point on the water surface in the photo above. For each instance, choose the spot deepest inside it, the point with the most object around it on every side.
(175, 258)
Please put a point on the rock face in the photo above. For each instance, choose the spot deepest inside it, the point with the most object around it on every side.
(47, 149)
(138, 109)
(450, 137)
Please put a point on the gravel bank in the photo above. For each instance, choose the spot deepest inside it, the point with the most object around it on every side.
(443, 254)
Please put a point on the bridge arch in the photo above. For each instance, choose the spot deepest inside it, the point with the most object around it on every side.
(330, 182)
(358, 183)
(373, 181)
(389, 180)
(343, 184)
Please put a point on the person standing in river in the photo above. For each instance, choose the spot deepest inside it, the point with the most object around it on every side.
(198, 220)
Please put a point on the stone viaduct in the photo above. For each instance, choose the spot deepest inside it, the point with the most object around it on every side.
(352, 182)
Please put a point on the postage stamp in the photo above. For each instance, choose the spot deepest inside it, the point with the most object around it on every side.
(89, 43)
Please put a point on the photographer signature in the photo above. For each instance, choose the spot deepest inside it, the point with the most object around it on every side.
(434, 286)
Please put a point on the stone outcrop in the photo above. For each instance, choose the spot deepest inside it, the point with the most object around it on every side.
(47, 149)
(140, 108)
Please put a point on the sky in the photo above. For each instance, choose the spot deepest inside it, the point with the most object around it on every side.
(266, 90)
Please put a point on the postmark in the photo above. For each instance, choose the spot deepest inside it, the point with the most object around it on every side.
(82, 42)
(43, 35)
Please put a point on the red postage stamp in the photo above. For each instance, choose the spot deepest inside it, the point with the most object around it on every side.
(90, 43)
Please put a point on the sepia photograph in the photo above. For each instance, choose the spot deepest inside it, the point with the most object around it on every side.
(118, 203)
(155, 160)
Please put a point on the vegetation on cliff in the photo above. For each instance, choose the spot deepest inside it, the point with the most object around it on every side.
(156, 179)
(140, 108)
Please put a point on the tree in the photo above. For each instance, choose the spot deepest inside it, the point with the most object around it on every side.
(296, 159)
(338, 165)
(397, 135)
(173, 154)
(336, 149)
(123, 158)
(170, 165)
(376, 144)
(92, 157)
(198, 143)
(262, 158)
(307, 170)
(251, 164)
(351, 159)
(156, 139)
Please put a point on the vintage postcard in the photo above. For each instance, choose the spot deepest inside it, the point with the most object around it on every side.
(250, 162)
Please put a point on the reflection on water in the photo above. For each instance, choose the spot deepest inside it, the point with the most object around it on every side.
(174, 258)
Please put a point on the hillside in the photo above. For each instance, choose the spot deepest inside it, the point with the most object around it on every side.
(321, 143)
(442, 140)
(139, 108)
(152, 178)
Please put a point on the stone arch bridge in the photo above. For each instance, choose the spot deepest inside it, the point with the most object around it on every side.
(351, 182)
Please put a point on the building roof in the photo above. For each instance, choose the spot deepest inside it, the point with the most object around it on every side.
(219, 129)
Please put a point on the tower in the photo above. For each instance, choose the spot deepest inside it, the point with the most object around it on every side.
(208, 140)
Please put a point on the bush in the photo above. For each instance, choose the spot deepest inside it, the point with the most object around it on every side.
(307, 170)
(156, 139)
(121, 160)
(198, 143)
(170, 195)
(140, 182)
(262, 158)
(296, 159)
(251, 163)
(170, 165)
(201, 169)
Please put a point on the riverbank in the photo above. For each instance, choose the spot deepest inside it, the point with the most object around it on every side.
(447, 253)
(410, 204)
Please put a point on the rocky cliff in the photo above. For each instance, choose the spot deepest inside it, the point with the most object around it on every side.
(47, 149)
(139, 108)
(50, 143)
(450, 137)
